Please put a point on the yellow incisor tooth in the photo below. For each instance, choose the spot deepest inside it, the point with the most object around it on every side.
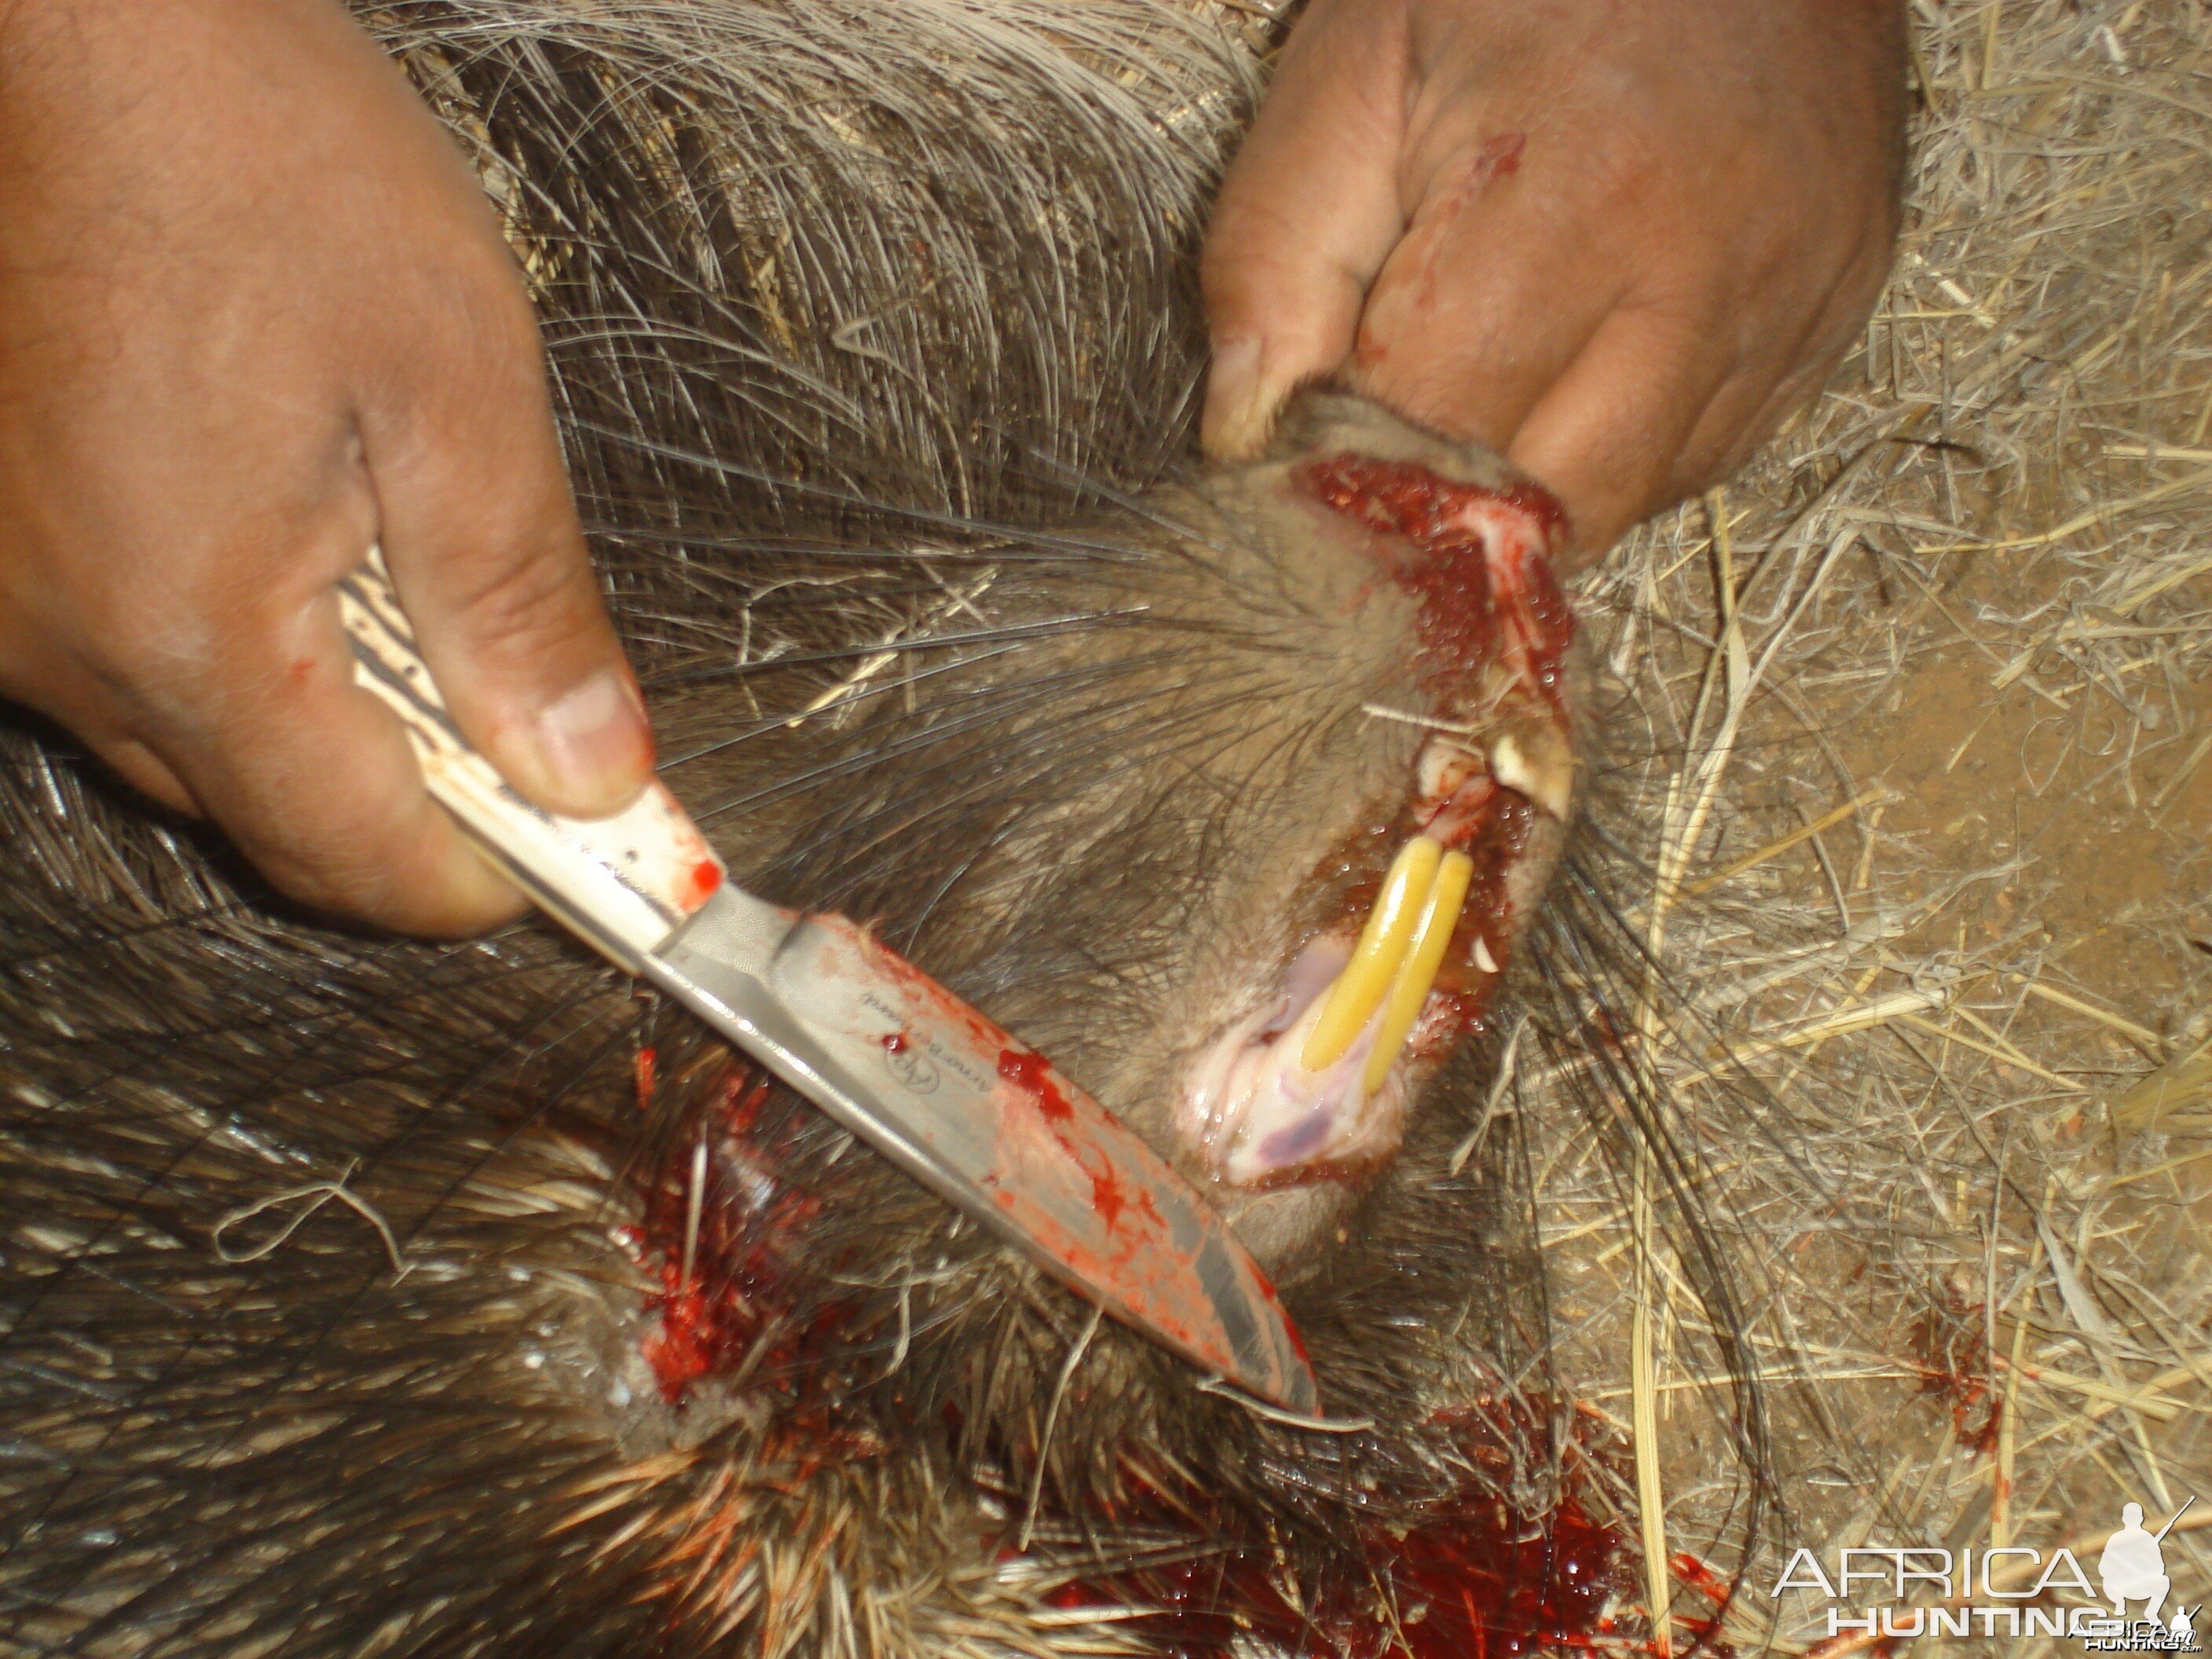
(1365, 980)
(1422, 957)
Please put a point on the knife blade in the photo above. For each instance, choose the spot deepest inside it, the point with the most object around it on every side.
(946, 1095)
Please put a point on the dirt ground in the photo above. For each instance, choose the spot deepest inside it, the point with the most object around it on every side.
(1930, 732)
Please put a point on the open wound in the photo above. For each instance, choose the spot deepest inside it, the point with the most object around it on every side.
(1313, 1084)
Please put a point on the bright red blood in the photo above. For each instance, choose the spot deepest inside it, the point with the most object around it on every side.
(1477, 559)
(1951, 1347)
(895, 1042)
(929, 1000)
(701, 881)
(744, 1292)
(1031, 1072)
(1698, 1575)
(1481, 568)
(1107, 1197)
(689, 1343)
(1030, 1075)
(1473, 1578)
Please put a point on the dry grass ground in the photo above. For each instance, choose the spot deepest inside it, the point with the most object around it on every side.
(1924, 701)
(1929, 693)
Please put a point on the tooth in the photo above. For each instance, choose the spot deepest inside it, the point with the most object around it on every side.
(1430, 935)
(1444, 767)
(1365, 980)
(1483, 959)
(1547, 779)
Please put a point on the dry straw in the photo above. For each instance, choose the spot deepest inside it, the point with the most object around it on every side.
(1924, 693)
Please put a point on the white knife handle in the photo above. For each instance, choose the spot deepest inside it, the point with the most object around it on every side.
(623, 884)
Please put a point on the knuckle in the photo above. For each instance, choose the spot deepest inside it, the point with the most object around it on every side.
(459, 339)
(489, 312)
(529, 597)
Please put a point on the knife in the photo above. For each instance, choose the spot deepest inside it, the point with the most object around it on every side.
(972, 1113)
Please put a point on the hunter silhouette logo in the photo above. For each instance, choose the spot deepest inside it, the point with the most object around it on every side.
(2133, 1569)
(2007, 1589)
(2133, 1565)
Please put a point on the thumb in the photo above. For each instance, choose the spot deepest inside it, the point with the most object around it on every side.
(481, 535)
(1306, 216)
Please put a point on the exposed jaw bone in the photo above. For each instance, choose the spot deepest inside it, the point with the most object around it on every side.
(1313, 1083)
(1255, 1112)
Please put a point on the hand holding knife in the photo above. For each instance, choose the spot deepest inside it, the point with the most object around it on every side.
(894, 1057)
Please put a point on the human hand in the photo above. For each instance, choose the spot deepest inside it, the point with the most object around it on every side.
(1618, 240)
(255, 316)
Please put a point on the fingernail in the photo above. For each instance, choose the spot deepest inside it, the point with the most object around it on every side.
(592, 738)
(1239, 407)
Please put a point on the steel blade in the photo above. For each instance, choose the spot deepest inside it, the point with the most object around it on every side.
(984, 1120)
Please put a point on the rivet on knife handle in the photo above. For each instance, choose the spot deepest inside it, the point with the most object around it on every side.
(625, 883)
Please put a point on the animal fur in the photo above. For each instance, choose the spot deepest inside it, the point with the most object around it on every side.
(332, 1267)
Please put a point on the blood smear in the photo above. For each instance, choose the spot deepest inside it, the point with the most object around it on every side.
(743, 1289)
(1482, 571)
(1031, 1072)
(1472, 1576)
